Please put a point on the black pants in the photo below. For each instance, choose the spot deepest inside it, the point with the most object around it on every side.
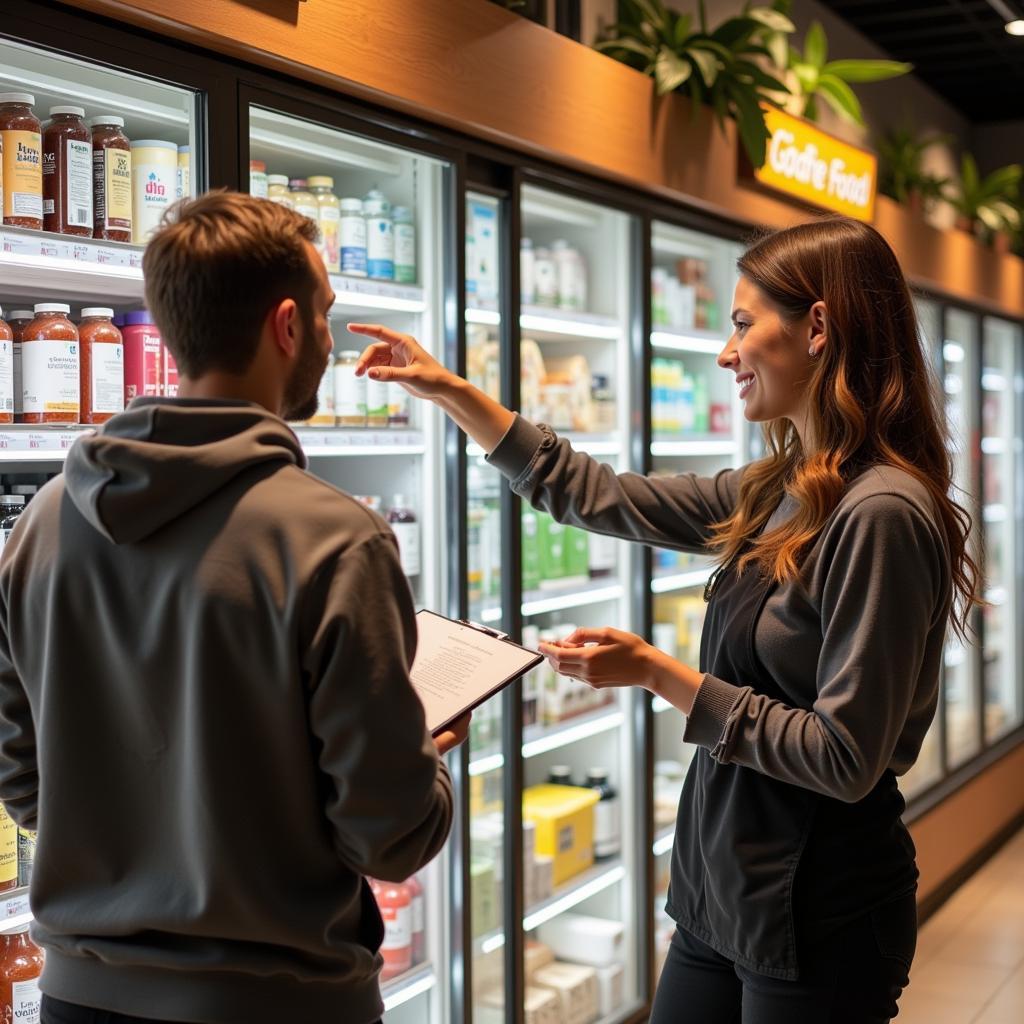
(854, 977)
(56, 1012)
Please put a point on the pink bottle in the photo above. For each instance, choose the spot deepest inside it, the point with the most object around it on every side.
(143, 364)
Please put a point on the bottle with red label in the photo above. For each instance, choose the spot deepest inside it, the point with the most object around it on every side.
(21, 964)
(143, 361)
(395, 903)
(419, 924)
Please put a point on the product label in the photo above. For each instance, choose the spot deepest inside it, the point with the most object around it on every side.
(49, 377)
(353, 245)
(142, 365)
(25, 1000)
(405, 253)
(349, 394)
(408, 537)
(107, 378)
(330, 227)
(310, 210)
(8, 830)
(79, 184)
(23, 174)
(380, 248)
(7, 376)
(397, 928)
(183, 187)
(154, 183)
(112, 182)
(258, 184)
(606, 828)
(170, 381)
(26, 844)
(418, 915)
(17, 378)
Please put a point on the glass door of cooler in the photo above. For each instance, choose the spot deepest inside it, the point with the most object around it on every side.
(1002, 393)
(697, 426)
(485, 526)
(580, 755)
(960, 358)
(927, 770)
(381, 210)
(42, 264)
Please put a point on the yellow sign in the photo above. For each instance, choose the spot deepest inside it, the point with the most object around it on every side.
(805, 162)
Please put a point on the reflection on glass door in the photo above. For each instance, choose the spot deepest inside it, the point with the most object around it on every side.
(580, 758)
(697, 426)
(379, 213)
(1002, 385)
(488, 835)
(960, 359)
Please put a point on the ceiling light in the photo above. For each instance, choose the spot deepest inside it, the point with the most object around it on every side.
(1015, 28)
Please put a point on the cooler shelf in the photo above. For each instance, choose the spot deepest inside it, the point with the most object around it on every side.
(542, 739)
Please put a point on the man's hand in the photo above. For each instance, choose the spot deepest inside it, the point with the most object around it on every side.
(455, 734)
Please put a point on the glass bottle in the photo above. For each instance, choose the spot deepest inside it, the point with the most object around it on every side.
(407, 532)
(21, 146)
(349, 391)
(111, 179)
(607, 832)
(50, 370)
(321, 186)
(67, 173)
(278, 191)
(21, 964)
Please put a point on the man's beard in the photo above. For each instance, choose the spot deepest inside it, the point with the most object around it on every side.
(300, 394)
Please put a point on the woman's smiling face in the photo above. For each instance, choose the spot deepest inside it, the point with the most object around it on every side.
(770, 357)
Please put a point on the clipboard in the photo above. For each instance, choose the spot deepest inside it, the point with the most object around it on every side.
(460, 664)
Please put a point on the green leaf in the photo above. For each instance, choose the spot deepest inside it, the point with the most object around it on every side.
(811, 109)
(990, 217)
(734, 33)
(807, 76)
(632, 45)
(778, 48)
(670, 70)
(840, 98)
(682, 29)
(775, 20)
(1004, 181)
(969, 177)
(703, 16)
(707, 64)
(653, 11)
(867, 70)
(816, 46)
(761, 78)
(750, 121)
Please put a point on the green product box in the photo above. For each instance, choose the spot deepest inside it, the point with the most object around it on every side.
(577, 553)
(552, 550)
(484, 896)
(531, 548)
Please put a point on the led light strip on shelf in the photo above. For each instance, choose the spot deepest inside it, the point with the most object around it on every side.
(563, 736)
(664, 840)
(579, 443)
(578, 599)
(364, 292)
(406, 990)
(488, 317)
(680, 581)
(483, 765)
(571, 325)
(560, 904)
(686, 343)
(685, 448)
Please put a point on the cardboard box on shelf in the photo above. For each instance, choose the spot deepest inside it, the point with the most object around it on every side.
(540, 1006)
(576, 987)
(535, 956)
(611, 988)
(564, 816)
(485, 897)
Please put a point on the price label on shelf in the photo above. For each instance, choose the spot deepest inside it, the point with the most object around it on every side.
(21, 245)
(16, 905)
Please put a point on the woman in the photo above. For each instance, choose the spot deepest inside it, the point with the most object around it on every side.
(840, 555)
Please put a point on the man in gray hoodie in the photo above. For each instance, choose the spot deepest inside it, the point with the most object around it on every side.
(205, 704)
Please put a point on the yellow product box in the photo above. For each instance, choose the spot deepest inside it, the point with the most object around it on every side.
(564, 817)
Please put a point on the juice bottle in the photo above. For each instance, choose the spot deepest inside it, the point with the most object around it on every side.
(102, 386)
(67, 173)
(419, 923)
(6, 371)
(303, 201)
(111, 179)
(21, 142)
(395, 903)
(50, 366)
(21, 963)
(278, 191)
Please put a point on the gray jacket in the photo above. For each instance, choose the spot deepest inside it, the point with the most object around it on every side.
(205, 707)
(859, 647)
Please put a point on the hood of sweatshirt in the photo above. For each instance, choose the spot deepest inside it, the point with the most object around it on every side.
(163, 456)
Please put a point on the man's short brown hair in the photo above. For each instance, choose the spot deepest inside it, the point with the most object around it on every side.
(216, 267)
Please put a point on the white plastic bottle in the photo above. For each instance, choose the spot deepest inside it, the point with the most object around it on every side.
(405, 245)
(527, 282)
(353, 238)
(380, 236)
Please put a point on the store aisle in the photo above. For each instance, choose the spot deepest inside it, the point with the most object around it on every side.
(969, 967)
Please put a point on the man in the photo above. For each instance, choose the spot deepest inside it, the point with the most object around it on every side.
(204, 672)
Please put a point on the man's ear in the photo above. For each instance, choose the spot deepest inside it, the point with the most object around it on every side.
(283, 320)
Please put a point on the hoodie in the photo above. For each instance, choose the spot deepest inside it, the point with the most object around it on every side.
(205, 708)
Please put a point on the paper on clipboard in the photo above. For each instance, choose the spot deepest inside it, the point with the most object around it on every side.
(459, 665)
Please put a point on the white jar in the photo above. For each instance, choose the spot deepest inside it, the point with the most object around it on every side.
(353, 238)
(405, 245)
(154, 184)
(527, 272)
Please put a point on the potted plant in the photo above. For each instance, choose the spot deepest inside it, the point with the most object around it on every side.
(989, 202)
(716, 66)
(901, 174)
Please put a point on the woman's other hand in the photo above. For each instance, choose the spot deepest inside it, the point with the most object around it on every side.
(400, 358)
(603, 657)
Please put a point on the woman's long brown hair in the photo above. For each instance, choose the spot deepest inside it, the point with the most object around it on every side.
(873, 400)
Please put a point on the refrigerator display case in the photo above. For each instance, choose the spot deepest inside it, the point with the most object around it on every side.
(960, 355)
(697, 425)
(382, 212)
(77, 269)
(1002, 393)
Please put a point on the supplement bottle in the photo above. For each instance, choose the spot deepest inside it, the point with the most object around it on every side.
(154, 185)
(303, 201)
(21, 140)
(143, 362)
(560, 775)
(21, 963)
(26, 855)
(353, 238)
(102, 389)
(184, 179)
(67, 173)
(277, 189)
(328, 219)
(169, 380)
(8, 830)
(349, 391)
(419, 920)
(18, 321)
(395, 905)
(405, 245)
(380, 236)
(111, 179)
(50, 366)
(407, 533)
(258, 179)
(527, 287)
(6, 372)
(607, 837)
(545, 278)
(378, 399)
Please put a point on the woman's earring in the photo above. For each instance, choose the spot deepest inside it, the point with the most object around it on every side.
(812, 352)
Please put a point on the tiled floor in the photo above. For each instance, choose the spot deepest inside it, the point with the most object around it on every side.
(969, 967)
